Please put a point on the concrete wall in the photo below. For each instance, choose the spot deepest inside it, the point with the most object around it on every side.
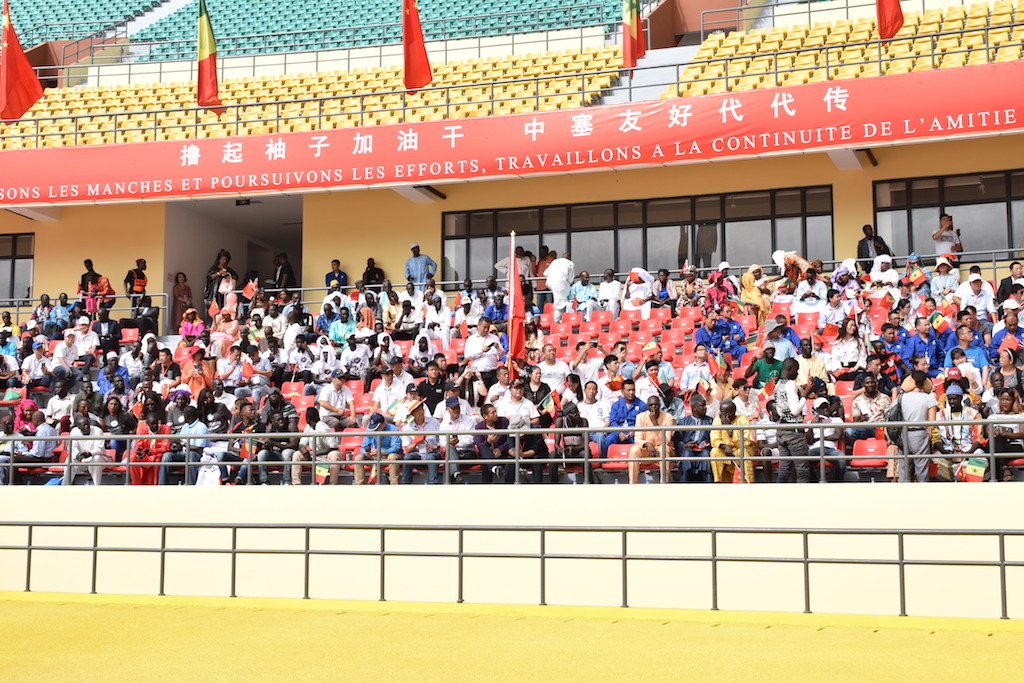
(381, 224)
(959, 591)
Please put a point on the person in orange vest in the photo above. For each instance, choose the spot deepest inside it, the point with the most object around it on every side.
(135, 283)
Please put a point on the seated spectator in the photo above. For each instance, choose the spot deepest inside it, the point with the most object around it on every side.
(1006, 436)
(86, 340)
(623, 414)
(765, 368)
(775, 337)
(746, 400)
(883, 277)
(437, 322)
(337, 407)
(730, 443)
(663, 290)
(873, 368)
(827, 442)
(811, 365)
(833, 313)
(419, 447)
(583, 295)
(493, 446)
(849, 351)
(1011, 336)
(35, 452)
(869, 406)
(148, 451)
(768, 440)
(90, 454)
(609, 293)
(734, 337)
(35, 369)
(977, 293)
(696, 372)
(277, 449)
(651, 443)
(957, 439)
(691, 288)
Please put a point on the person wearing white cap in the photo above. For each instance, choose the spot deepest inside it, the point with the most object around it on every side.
(86, 342)
(62, 361)
(419, 266)
(723, 268)
(637, 295)
(976, 295)
(35, 369)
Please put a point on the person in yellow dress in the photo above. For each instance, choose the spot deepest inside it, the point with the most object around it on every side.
(728, 443)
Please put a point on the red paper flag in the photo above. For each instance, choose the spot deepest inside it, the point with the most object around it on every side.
(249, 291)
(207, 94)
(633, 44)
(831, 331)
(214, 309)
(516, 311)
(713, 366)
(890, 18)
(417, 65)
(19, 85)
(1009, 342)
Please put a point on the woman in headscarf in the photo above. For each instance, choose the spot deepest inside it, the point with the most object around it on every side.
(366, 322)
(912, 265)
(191, 326)
(844, 279)
(753, 292)
(23, 416)
(883, 276)
(224, 334)
(215, 277)
(691, 288)
(716, 295)
(637, 293)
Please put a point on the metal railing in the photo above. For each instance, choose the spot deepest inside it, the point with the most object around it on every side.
(361, 36)
(71, 30)
(21, 309)
(445, 457)
(802, 589)
(776, 13)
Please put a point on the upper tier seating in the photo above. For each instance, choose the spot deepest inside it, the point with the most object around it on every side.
(363, 97)
(247, 27)
(78, 18)
(767, 58)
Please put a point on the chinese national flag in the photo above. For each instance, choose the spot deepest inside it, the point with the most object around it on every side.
(516, 311)
(633, 45)
(19, 85)
(890, 18)
(249, 291)
(206, 85)
(1009, 342)
(417, 66)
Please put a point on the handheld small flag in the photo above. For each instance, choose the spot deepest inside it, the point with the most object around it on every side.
(938, 322)
(249, 291)
(768, 390)
(713, 365)
(1009, 342)
(393, 408)
(214, 309)
(917, 276)
(547, 405)
(831, 331)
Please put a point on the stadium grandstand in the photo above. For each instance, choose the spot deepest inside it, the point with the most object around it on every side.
(665, 245)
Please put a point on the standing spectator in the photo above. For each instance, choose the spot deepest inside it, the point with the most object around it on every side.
(336, 277)
(220, 273)
(871, 246)
(540, 269)
(918, 405)
(947, 238)
(418, 267)
(559, 276)
(372, 276)
(135, 283)
(790, 400)
(181, 294)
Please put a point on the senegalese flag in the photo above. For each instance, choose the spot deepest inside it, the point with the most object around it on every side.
(206, 84)
(768, 390)
(633, 44)
(547, 405)
(393, 408)
(917, 276)
(938, 322)
(755, 341)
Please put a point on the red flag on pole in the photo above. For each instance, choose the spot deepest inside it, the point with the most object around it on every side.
(516, 311)
(417, 65)
(633, 45)
(890, 18)
(19, 85)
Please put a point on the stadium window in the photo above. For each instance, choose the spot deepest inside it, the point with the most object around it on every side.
(984, 206)
(16, 266)
(663, 232)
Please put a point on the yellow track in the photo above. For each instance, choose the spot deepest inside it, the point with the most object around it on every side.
(64, 637)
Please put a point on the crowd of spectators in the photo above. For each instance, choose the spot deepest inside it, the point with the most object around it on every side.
(833, 351)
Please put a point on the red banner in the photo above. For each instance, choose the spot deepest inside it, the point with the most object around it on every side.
(850, 114)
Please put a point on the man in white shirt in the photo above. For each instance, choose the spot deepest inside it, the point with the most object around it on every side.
(977, 296)
(460, 447)
(483, 350)
(355, 359)
(467, 313)
(696, 371)
(552, 371)
(59, 405)
(335, 400)
(230, 371)
(133, 362)
(594, 411)
(437, 322)
(63, 359)
(275, 321)
(947, 237)
(451, 390)
(35, 369)
(90, 454)
(609, 386)
(387, 394)
(86, 342)
(834, 312)
(587, 368)
(514, 405)
(609, 293)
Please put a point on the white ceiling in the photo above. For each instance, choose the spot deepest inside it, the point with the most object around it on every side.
(267, 219)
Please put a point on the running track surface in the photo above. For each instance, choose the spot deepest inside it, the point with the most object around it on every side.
(63, 637)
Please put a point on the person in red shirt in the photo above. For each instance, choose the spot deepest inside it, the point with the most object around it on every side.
(149, 450)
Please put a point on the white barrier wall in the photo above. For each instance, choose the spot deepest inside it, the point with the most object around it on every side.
(930, 590)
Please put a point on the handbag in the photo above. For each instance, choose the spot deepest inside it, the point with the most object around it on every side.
(894, 435)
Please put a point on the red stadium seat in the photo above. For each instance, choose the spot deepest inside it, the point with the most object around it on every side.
(780, 309)
(609, 339)
(590, 330)
(747, 322)
(129, 335)
(405, 346)
(561, 329)
(663, 314)
(632, 315)
(869, 453)
(546, 320)
(653, 326)
(844, 388)
(807, 319)
(457, 345)
(601, 317)
(684, 325)
(292, 389)
(364, 403)
(621, 327)
(616, 454)
(575, 319)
